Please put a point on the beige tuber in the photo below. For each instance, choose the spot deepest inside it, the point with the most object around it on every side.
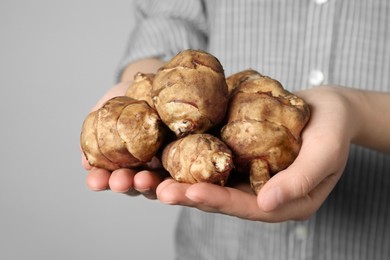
(190, 92)
(141, 87)
(264, 123)
(198, 158)
(124, 133)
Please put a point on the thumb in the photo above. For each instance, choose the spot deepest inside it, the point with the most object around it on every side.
(309, 169)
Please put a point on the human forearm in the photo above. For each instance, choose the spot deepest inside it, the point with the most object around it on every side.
(372, 113)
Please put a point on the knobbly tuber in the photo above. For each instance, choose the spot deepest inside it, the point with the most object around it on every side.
(198, 158)
(141, 87)
(123, 133)
(264, 123)
(190, 92)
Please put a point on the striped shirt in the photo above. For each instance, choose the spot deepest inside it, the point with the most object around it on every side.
(303, 44)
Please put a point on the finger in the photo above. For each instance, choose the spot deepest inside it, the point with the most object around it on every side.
(97, 179)
(211, 198)
(304, 207)
(146, 182)
(230, 201)
(173, 193)
(84, 162)
(121, 180)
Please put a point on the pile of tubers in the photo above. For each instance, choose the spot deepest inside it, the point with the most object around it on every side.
(246, 123)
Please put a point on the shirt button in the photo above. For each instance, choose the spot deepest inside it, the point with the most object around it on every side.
(320, 2)
(316, 77)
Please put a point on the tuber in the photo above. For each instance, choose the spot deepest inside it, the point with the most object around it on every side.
(198, 158)
(123, 133)
(264, 123)
(190, 92)
(141, 87)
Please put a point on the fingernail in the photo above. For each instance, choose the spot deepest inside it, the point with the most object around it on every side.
(271, 200)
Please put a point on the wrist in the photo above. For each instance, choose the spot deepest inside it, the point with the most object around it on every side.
(372, 112)
(352, 101)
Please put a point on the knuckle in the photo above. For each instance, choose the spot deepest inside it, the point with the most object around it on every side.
(303, 185)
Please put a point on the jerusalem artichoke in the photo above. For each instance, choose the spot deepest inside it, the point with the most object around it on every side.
(264, 123)
(141, 87)
(198, 158)
(190, 92)
(124, 133)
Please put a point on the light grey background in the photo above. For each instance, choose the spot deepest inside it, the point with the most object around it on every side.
(57, 58)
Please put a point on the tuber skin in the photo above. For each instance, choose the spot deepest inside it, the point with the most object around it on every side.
(141, 87)
(264, 125)
(198, 158)
(123, 133)
(235, 80)
(190, 92)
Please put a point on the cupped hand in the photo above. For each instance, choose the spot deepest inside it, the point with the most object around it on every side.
(296, 192)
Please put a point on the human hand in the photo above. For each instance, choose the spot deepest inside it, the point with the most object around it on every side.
(130, 181)
(296, 192)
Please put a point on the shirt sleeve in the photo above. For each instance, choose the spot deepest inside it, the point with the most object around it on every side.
(165, 27)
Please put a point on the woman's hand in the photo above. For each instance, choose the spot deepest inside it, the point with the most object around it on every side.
(128, 181)
(298, 191)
